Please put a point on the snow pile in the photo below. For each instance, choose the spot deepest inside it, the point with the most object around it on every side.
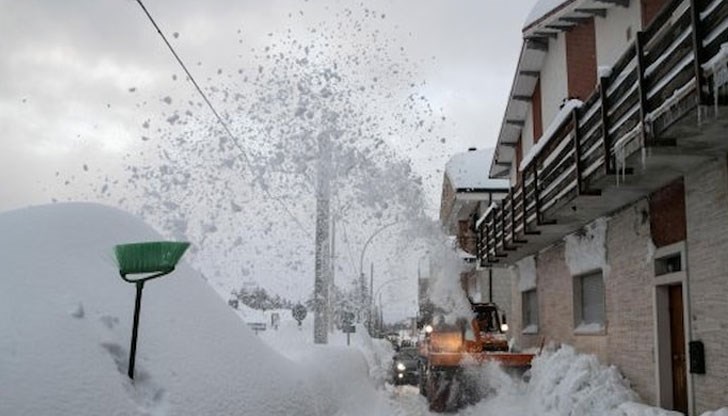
(567, 383)
(562, 383)
(66, 321)
(586, 250)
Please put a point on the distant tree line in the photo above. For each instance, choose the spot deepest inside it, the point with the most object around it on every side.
(351, 302)
(258, 298)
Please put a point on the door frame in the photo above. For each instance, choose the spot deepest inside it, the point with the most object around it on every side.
(661, 315)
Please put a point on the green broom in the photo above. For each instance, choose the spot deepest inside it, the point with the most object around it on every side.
(150, 261)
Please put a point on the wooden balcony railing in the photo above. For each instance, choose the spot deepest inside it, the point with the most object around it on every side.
(658, 80)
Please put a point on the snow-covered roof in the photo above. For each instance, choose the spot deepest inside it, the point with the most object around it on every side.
(469, 170)
(542, 9)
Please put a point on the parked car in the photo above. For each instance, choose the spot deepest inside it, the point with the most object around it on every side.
(405, 367)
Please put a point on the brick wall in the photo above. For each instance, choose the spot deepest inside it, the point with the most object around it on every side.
(581, 60)
(706, 202)
(628, 341)
(667, 214)
(630, 298)
(466, 236)
(650, 9)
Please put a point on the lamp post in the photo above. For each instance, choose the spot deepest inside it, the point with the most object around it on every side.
(362, 278)
(378, 294)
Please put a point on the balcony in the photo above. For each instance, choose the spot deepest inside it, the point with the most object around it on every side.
(662, 111)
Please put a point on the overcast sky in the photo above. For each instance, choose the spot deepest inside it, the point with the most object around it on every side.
(79, 78)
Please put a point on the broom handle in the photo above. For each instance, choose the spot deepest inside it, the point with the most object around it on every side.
(135, 329)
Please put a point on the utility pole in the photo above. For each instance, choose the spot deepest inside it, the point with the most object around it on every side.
(323, 251)
(371, 294)
(332, 273)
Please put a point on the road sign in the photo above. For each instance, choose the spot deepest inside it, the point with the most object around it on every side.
(257, 326)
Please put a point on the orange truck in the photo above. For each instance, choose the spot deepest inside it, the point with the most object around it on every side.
(447, 351)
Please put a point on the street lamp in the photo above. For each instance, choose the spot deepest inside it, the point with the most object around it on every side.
(371, 277)
(379, 296)
(369, 240)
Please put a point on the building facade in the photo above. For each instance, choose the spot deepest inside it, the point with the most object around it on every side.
(615, 224)
(467, 193)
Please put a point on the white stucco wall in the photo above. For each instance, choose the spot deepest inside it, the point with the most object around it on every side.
(612, 32)
(527, 133)
(554, 83)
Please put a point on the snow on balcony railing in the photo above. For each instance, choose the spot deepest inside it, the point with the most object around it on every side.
(685, 36)
(651, 86)
(549, 133)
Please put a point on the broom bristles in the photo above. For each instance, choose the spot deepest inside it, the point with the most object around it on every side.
(151, 257)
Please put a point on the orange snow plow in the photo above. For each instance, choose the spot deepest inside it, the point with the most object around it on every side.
(448, 350)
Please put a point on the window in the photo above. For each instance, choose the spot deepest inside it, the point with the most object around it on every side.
(671, 263)
(529, 315)
(589, 310)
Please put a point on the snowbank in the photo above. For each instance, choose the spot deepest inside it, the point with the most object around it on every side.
(562, 382)
(66, 321)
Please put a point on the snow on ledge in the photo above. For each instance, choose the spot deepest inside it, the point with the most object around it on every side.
(547, 135)
(530, 329)
(589, 329)
(485, 214)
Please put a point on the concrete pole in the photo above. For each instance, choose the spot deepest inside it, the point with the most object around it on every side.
(371, 295)
(332, 273)
(323, 251)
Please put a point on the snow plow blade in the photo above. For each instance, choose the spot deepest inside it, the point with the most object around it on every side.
(506, 359)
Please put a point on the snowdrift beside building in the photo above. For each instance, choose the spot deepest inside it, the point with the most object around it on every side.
(65, 319)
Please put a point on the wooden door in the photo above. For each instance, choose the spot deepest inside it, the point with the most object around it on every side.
(677, 346)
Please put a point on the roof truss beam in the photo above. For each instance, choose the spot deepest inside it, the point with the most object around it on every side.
(514, 122)
(593, 11)
(537, 44)
(623, 3)
(524, 98)
(576, 20)
(542, 34)
(561, 27)
(534, 74)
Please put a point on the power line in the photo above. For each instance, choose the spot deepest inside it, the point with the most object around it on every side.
(222, 122)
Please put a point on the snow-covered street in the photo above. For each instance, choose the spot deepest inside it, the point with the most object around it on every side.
(363, 208)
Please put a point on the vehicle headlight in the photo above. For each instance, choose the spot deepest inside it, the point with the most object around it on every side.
(429, 329)
(504, 327)
(401, 367)
(400, 375)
